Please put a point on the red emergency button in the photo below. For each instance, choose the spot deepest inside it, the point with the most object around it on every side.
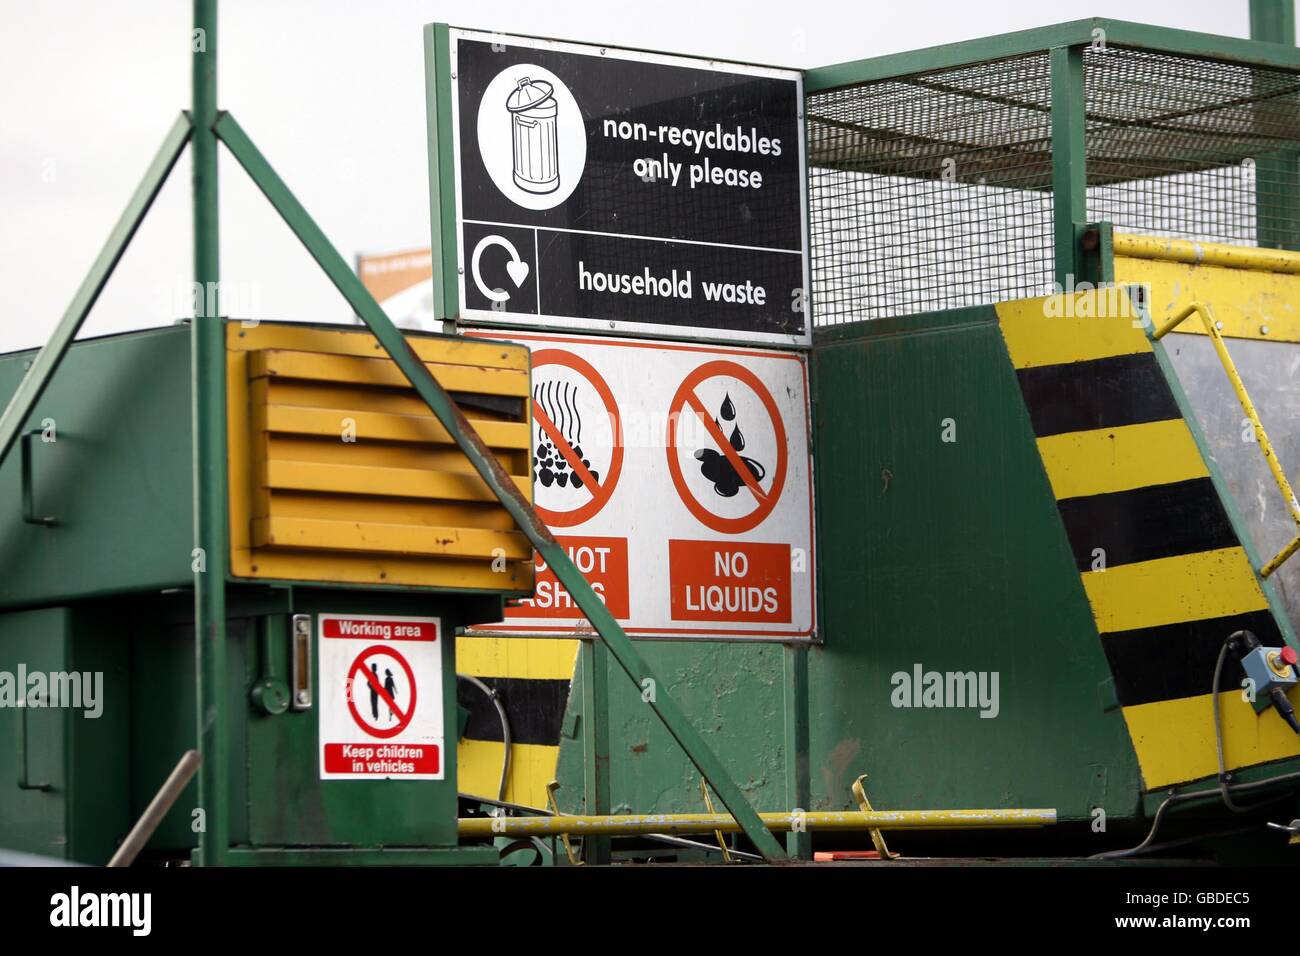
(1288, 655)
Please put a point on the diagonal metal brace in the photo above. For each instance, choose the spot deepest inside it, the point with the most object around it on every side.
(653, 691)
(51, 354)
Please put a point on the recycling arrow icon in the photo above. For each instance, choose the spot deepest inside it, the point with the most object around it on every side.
(516, 268)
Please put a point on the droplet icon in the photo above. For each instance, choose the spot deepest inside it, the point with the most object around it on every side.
(737, 439)
(728, 409)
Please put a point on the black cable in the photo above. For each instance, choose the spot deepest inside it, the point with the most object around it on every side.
(505, 729)
(1198, 795)
(1218, 724)
(1223, 789)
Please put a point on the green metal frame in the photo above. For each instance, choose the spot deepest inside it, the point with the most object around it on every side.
(211, 523)
(1273, 32)
(442, 175)
(595, 743)
(798, 783)
(210, 493)
(654, 691)
(1074, 33)
(1069, 161)
(1273, 21)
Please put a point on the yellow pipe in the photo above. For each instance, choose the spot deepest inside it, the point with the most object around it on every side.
(1238, 386)
(1281, 556)
(678, 823)
(1207, 254)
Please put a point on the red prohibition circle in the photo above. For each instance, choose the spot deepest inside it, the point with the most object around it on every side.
(601, 494)
(678, 407)
(358, 665)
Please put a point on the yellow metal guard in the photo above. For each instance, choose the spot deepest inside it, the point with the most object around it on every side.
(708, 804)
(878, 838)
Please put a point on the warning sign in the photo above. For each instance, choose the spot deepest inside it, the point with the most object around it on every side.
(697, 520)
(578, 456)
(598, 188)
(381, 700)
(723, 463)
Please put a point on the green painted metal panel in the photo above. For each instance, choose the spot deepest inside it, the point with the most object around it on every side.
(98, 748)
(79, 754)
(289, 805)
(116, 479)
(162, 703)
(277, 796)
(951, 555)
(734, 694)
(32, 743)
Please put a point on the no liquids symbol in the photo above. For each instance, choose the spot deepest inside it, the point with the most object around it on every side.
(714, 464)
(560, 401)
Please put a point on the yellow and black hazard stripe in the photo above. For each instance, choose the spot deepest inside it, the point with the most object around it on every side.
(532, 679)
(1161, 563)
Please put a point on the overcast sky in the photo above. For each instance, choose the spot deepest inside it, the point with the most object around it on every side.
(332, 91)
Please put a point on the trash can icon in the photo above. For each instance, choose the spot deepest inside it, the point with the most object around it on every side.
(533, 113)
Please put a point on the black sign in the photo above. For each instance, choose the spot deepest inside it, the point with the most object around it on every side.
(614, 190)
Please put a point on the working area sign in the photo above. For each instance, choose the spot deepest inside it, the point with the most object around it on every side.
(381, 706)
(621, 191)
(677, 477)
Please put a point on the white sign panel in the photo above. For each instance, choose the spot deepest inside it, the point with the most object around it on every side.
(380, 702)
(608, 189)
(677, 476)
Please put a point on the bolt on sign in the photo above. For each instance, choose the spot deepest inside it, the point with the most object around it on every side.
(381, 703)
(677, 477)
(620, 191)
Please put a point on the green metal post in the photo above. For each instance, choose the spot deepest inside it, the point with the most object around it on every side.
(653, 691)
(210, 530)
(442, 183)
(595, 743)
(798, 788)
(1277, 175)
(1069, 161)
(47, 360)
(1273, 21)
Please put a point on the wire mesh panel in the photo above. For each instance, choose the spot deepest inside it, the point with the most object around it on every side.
(931, 191)
(934, 190)
(1192, 148)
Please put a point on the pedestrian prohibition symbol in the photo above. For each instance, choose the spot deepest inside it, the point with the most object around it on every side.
(722, 463)
(364, 675)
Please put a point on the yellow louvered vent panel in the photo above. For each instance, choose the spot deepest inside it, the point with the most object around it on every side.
(339, 472)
